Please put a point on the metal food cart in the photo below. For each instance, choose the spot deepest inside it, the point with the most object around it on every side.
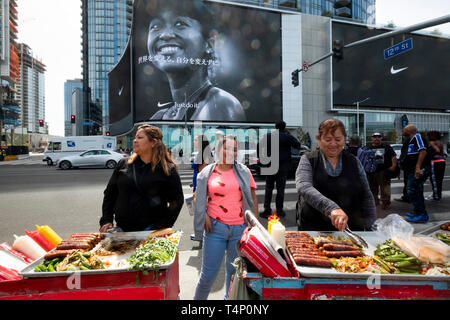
(117, 284)
(328, 284)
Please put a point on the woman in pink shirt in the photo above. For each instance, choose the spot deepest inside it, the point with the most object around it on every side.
(229, 189)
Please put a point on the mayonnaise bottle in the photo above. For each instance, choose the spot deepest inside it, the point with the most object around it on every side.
(278, 232)
(29, 247)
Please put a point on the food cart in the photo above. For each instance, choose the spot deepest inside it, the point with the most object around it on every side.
(116, 283)
(316, 283)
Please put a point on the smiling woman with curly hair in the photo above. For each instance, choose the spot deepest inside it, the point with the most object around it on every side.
(181, 42)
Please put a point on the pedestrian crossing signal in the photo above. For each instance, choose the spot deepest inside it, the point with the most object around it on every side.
(295, 77)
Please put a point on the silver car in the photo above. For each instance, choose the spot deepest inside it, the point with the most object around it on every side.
(91, 158)
(397, 148)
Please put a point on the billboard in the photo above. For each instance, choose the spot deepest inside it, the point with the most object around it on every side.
(417, 78)
(196, 60)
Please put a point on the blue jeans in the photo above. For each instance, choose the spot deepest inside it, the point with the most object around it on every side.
(414, 188)
(222, 239)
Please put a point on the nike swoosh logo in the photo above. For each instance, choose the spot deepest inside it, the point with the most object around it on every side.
(160, 105)
(120, 91)
(393, 71)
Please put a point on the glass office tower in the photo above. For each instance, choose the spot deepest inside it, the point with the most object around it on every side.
(106, 27)
(357, 10)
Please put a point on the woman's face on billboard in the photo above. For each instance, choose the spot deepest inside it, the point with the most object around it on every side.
(172, 38)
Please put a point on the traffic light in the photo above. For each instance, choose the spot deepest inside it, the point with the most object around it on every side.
(295, 77)
(107, 133)
(72, 118)
(404, 120)
(338, 49)
(119, 141)
(41, 123)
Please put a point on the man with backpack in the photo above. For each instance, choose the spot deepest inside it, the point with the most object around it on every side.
(385, 170)
(367, 158)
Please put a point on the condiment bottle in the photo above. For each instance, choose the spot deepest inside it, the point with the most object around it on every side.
(271, 221)
(40, 240)
(27, 246)
(278, 232)
(49, 234)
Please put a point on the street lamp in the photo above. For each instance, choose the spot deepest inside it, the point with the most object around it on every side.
(357, 112)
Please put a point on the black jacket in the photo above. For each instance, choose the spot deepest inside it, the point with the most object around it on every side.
(156, 203)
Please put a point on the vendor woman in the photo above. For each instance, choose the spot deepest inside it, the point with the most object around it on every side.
(145, 191)
(332, 185)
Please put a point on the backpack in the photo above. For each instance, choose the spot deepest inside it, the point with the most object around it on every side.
(367, 158)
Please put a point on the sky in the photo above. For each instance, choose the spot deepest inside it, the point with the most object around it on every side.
(52, 28)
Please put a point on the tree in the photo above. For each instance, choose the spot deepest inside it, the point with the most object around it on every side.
(391, 24)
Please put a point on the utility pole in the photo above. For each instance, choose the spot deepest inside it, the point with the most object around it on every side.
(357, 113)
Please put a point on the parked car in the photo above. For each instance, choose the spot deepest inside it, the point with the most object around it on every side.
(255, 165)
(397, 148)
(91, 158)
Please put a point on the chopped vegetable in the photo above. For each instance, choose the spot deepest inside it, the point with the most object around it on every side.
(153, 254)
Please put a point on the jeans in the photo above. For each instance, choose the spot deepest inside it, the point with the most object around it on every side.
(415, 194)
(223, 238)
(380, 184)
(436, 178)
(280, 179)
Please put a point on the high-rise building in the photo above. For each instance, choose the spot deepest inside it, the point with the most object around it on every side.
(69, 87)
(31, 91)
(9, 55)
(106, 26)
(9, 66)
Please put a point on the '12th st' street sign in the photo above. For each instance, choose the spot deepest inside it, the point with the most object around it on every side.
(398, 48)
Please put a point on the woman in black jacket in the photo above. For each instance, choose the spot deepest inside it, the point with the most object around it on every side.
(145, 192)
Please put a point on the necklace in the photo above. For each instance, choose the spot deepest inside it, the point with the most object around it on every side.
(188, 101)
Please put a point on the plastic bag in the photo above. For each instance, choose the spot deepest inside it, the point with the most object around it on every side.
(238, 289)
(394, 225)
(426, 249)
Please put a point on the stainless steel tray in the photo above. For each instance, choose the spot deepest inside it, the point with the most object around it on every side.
(29, 272)
(433, 229)
(372, 239)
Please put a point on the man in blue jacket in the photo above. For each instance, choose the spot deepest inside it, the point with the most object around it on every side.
(414, 165)
(285, 142)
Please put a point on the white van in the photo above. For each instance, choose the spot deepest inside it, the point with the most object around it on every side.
(61, 147)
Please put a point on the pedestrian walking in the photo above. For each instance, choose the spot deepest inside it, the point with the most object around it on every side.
(437, 164)
(386, 166)
(354, 143)
(201, 160)
(285, 142)
(415, 167)
(225, 190)
(219, 136)
(401, 160)
(332, 185)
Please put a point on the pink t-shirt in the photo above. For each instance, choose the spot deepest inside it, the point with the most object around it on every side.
(225, 202)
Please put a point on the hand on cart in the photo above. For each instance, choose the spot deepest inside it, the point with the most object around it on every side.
(339, 219)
